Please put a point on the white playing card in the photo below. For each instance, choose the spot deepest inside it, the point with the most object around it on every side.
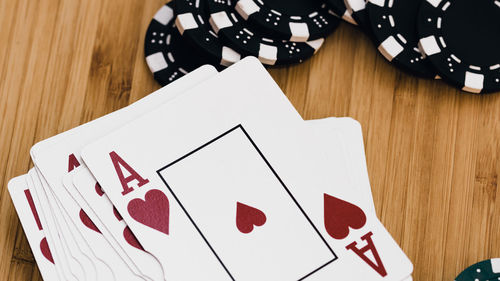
(113, 225)
(126, 161)
(92, 266)
(65, 264)
(359, 238)
(229, 94)
(99, 249)
(33, 228)
(352, 140)
(56, 156)
(98, 235)
(252, 208)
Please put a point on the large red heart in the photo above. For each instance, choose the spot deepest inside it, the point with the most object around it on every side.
(153, 211)
(247, 217)
(44, 247)
(340, 215)
(87, 221)
(131, 239)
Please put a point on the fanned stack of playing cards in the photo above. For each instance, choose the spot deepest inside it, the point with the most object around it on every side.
(213, 177)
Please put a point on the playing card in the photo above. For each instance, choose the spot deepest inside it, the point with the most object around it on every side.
(252, 209)
(67, 266)
(351, 139)
(95, 201)
(129, 162)
(227, 94)
(359, 239)
(99, 233)
(93, 267)
(32, 225)
(58, 155)
(100, 251)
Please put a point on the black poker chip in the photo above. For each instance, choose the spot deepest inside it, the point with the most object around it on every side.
(394, 29)
(238, 34)
(292, 20)
(487, 270)
(167, 55)
(192, 22)
(461, 39)
(338, 7)
(357, 8)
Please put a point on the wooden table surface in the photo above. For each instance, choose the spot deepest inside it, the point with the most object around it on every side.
(432, 151)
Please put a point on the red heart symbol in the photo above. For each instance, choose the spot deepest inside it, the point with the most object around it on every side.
(87, 221)
(98, 189)
(153, 211)
(247, 217)
(117, 214)
(44, 247)
(340, 215)
(131, 239)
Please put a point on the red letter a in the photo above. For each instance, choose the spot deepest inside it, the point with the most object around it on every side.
(72, 162)
(378, 266)
(117, 162)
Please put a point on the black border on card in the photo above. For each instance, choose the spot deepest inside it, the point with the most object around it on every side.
(275, 174)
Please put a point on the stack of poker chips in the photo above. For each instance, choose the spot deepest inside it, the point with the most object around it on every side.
(454, 40)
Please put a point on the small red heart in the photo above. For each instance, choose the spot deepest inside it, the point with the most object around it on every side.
(117, 214)
(339, 215)
(98, 189)
(87, 221)
(247, 217)
(153, 211)
(44, 247)
(131, 239)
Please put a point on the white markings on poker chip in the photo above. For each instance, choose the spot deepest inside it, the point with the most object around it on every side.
(219, 21)
(434, 3)
(430, 45)
(455, 58)
(170, 57)
(390, 48)
(402, 38)
(315, 44)
(379, 3)
(493, 67)
(185, 22)
(300, 31)
(246, 7)
(229, 56)
(473, 82)
(268, 54)
(356, 5)
(391, 21)
(495, 265)
(446, 6)
(164, 15)
(156, 62)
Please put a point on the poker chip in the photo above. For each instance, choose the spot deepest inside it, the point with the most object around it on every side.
(338, 7)
(293, 20)
(395, 34)
(461, 39)
(250, 42)
(167, 55)
(487, 270)
(357, 8)
(192, 23)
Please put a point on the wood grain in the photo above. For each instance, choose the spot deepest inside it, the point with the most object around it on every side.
(433, 152)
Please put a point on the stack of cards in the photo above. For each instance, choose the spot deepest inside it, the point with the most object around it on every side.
(213, 177)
